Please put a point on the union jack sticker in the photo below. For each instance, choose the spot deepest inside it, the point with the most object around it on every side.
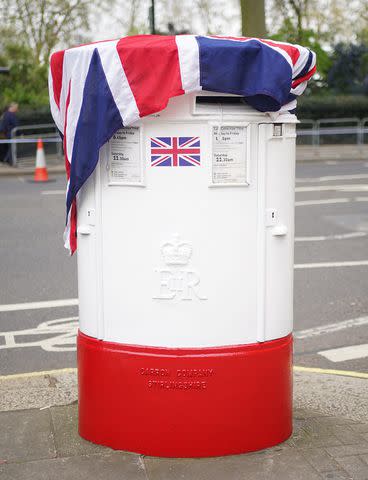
(175, 152)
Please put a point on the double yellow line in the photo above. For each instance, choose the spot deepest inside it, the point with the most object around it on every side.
(342, 373)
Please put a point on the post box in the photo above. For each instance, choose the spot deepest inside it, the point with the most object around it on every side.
(185, 276)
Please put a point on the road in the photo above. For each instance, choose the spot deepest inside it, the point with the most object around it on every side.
(331, 266)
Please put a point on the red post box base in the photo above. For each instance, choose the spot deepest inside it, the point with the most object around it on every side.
(176, 402)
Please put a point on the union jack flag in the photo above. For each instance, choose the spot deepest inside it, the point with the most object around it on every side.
(98, 88)
(175, 151)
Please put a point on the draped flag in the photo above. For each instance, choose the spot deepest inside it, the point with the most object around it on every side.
(98, 88)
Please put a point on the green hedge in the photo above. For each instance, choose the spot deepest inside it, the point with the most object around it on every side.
(339, 106)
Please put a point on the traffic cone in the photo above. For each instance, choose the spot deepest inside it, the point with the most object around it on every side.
(40, 174)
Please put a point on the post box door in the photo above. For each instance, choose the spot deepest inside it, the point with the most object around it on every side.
(179, 254)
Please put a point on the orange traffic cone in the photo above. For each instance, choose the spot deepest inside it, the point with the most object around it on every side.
(40, 174)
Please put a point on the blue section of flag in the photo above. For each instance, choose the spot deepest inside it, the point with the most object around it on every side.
(99, 119)
(163, 139)
(264, 81)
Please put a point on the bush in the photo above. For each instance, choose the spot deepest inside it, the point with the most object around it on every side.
(339, 106)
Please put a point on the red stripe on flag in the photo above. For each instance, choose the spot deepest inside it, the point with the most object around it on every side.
(175, 149)
(56, 67)
(151, 64)
(73, 228)
(67, 163)
(73, 212)
(304, 78)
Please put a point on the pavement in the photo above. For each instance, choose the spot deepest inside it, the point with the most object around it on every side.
(39, 438)
(7, 170)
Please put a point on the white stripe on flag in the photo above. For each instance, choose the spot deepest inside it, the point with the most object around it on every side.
(76, 65)
(299, 89)
(118, 83)
(302, 60)
(53, 107)
(66, 234)
(188, 62)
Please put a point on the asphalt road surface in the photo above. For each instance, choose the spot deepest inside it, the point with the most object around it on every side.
(331, 267)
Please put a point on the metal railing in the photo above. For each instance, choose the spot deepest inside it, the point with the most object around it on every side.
(24, 153)
(333, 131)
(316, 133)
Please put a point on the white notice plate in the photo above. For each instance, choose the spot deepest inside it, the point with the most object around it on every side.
(125, 160)
(229, 155)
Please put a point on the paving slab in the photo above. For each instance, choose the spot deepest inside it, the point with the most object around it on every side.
(355, 467)
(261, 466)
(112, 466)
(26, 435)
(348, 450)
(320, 459)
(68, 443)
(337, 475)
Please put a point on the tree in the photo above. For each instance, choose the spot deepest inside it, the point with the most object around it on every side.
(42, 24)
(349, 70)
(330, 21)
(29, 31)
(253, 18)
(26, 82)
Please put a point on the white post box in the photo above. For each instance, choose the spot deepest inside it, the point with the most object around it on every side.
(185, 273)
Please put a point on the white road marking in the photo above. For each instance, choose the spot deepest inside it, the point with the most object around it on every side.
(361, 199)
(53, 192)
(332, 178)
(331, 264)
(64, 331)
(12, 307)
(330, 328)
(357, 187)
(342, 236)
(303, 203)
(344, 354)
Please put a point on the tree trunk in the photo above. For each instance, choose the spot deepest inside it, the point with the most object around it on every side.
(253, 18)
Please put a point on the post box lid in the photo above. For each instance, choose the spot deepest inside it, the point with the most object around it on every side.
(96, 89)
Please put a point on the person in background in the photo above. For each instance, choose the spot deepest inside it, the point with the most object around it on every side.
(8, 122)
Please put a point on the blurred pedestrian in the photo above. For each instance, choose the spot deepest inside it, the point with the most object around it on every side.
(9, 121)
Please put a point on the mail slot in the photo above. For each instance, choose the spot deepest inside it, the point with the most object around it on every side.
(185, 276)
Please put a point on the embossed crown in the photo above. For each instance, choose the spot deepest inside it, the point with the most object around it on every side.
(176, 252)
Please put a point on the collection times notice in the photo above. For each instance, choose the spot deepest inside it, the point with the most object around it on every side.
(125, 157)
(229, 154)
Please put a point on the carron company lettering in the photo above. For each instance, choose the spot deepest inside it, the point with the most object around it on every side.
(155, 372)
(195, 372)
